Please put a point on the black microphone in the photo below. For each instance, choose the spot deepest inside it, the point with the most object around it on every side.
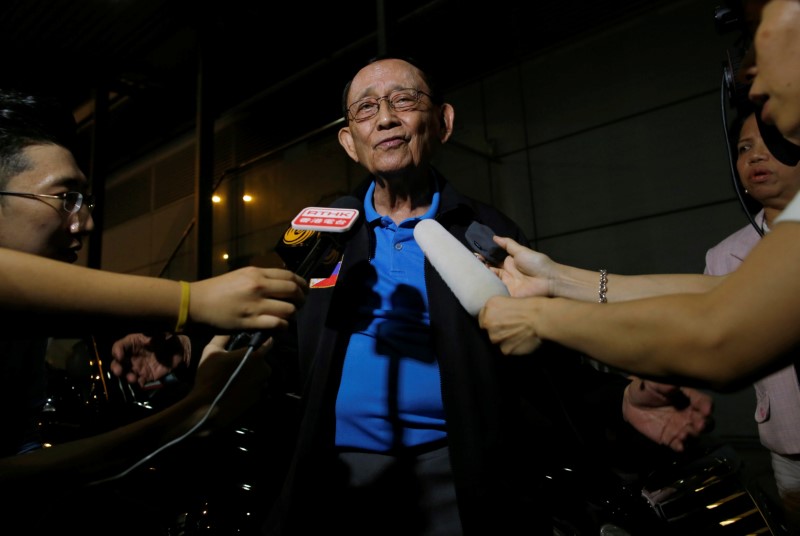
(479, 238)
(782, 149)
(310, 247)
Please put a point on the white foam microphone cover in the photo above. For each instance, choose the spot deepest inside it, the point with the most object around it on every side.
(469, 279)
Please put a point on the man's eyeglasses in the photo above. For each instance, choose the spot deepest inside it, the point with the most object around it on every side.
(399, 100)
(73, 201)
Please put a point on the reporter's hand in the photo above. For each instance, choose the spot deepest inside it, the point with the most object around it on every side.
(91, 460)
(525, 272)
(213, 373)
(509, 323)
(247, 299)
(144, 358)
(667, 414)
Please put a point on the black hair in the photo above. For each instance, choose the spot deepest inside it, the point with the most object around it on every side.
(435, 94)
(31, 119)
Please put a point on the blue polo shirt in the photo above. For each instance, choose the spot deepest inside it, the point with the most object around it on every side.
(390, 393)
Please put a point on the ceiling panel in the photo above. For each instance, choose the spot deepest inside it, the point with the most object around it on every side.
(145, 52)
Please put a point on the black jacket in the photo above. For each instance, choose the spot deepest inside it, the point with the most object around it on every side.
(510, 419)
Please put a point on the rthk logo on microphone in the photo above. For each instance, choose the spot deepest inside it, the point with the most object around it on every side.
(335, 220)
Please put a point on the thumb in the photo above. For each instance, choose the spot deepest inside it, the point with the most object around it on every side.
(265, 347)
(508, 244)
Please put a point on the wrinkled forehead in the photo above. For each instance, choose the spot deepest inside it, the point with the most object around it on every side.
(383, 76)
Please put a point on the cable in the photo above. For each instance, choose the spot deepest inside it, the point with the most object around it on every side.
(731, 161)
(251, 347)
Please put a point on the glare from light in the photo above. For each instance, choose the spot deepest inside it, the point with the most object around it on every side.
(247, 198)
(724, 500)
(216, 199)
(735, 519)
(225, 256)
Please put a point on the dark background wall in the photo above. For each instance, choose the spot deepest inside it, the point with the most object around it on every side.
(597, 126)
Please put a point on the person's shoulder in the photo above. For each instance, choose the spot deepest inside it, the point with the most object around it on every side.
(791, 212)
(742, 240)
(498, 220)
(483, 212)
(727, 254)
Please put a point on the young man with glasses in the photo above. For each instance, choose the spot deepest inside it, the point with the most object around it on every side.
(45, 214)
(42, 213)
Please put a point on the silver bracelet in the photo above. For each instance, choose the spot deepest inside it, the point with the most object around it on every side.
(603, 286)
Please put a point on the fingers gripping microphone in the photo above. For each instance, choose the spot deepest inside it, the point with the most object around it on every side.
(310, 247)
(469, 279)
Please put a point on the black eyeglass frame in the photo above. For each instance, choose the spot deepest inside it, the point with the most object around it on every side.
(415, 93)
(80, 200)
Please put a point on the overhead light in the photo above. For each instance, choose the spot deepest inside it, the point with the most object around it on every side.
(247, 198)
(216, 199)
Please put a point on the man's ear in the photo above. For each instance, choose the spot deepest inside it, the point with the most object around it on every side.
(346, 141)
(446, 117)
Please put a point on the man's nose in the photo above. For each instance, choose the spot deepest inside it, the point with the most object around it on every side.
(385, 112)
(82, 221)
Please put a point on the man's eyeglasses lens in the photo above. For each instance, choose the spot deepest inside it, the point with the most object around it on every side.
(401, 100)
(73, 201)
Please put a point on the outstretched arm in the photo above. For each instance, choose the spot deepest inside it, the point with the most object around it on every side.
(528, 273)
(78, 463)
(723, 338)
(46, 296)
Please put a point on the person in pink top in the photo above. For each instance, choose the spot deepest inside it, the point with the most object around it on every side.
(772, 184)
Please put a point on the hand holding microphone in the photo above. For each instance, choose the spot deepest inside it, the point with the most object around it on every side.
(469, 279)
(474, 284)
(311, 246)
(511, 324)
(313, 243)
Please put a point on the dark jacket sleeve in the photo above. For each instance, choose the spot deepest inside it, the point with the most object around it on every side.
(588, 399)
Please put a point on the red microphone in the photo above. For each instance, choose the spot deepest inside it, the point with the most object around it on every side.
(311, 247)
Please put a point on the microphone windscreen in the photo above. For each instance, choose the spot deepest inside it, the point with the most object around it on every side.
(469, 279)
(314, 253)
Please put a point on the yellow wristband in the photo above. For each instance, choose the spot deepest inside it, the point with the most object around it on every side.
(183, 313)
